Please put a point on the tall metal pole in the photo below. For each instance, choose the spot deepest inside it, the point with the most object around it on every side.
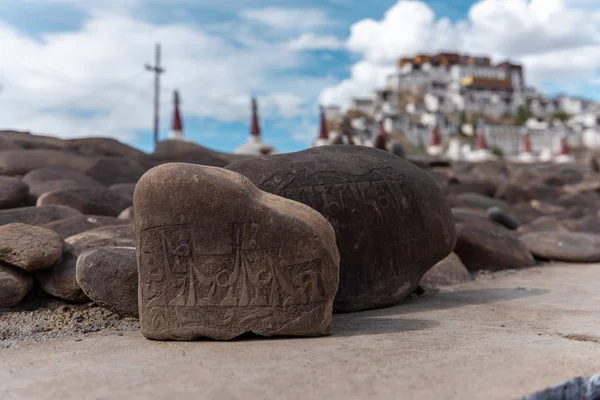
(157, 69)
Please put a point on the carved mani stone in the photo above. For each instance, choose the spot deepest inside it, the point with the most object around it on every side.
(391, 219)
(217, 257)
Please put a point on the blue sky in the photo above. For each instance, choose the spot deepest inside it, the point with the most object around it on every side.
(75, 67)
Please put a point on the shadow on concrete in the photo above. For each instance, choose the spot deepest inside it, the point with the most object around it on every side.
(389, 320)
(364, 323)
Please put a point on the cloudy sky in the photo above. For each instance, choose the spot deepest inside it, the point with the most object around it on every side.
(75, 68)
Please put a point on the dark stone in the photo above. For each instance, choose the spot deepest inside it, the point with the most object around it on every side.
(107, 236)
(36, 215)
(524, 212)
(563, 246)
(12, 192)
(45, 180)
(449, 271)
(500, 216)
(15, 284)
(60, 280)
(109, 277)
(82, 223)
(563, 176)
(391, 220)
(112, 170)
(481, 187)
(588, 223)
(88, 200)
(479, 201)
(219, 258)
(177, 150)
(481, 247)
(29, 247)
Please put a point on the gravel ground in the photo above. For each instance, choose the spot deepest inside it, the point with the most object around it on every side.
(41, 318)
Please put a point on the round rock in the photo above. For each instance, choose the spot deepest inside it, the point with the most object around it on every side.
(107, 236)
(391, 219)
(482, 247)
(60, 280)
(36, 215)
(500, 216)
(82, 223)
(15, 284)
(449, 271)
(219, 258)
(563, 246)
(88, 200)
(109, 277)
(44, 180)
(12, 192)
(29, 247)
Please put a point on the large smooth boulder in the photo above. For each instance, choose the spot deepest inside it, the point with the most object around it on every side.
(29, 247)
(563, 246)
(482, 247)
(109, 277)
(391, 219)
(36, 215)
(44, 180)
(72, 226)
(15, 284)
(88, 200)
(219, 258)
(13, 192)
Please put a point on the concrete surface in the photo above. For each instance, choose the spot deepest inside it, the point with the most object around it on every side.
(500, 337)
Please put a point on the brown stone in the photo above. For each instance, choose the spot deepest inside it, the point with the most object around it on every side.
(449, 271)
(72, 226)
(479, 201)
(481, 247)
(15, 284)
(88, 200)
(107, 236)
(29, 247)
(218, 258)
(109, 277)
(392, 221)
(36, 215)
(44, 180)
(546, 223)
(127, 214)
(12, 192)
(563, 246)
(112, 170)
(60, 280)
(126, 189)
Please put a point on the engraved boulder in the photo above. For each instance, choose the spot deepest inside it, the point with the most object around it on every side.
(391, 219)
(217, 258)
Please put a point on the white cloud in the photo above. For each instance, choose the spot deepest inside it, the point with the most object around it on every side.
(556, 40)
(287, 18)
(310, 41)
(92, 81)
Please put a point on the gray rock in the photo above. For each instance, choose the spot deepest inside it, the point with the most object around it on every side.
(500, 216)
(213, 268)
(82, 223)
(109, 277)
(15, 284)
(481, 247)
(579, 388)
(12, 192)
(60, 280)
(449, 271)
(563, 246)
(391, 219)
(29, 247)
(88, 200)
(36, 215)
(127, 214)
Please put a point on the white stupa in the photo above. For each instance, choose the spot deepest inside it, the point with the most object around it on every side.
(526, 155)
(564, 156)
(481, 152)
(435, 146)
(176, 132)
(254, 146)
(323, 139)
(455, 152)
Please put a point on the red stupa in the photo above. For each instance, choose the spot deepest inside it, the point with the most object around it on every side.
(481, 142)
(254, 125)
(526, 142)
(435, 136)
(177, 125)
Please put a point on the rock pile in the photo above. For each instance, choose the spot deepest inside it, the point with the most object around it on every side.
(272, 244)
